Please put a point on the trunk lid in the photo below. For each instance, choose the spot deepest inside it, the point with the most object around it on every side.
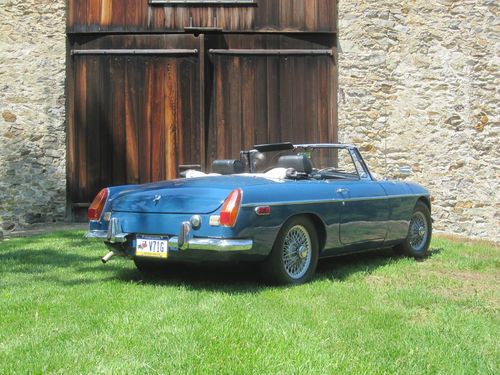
(188, 196)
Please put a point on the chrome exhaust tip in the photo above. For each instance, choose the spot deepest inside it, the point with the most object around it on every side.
(107, 257)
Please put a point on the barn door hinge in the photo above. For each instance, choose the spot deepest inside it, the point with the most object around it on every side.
(134, 52)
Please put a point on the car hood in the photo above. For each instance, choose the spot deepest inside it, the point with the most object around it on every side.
(189, 196)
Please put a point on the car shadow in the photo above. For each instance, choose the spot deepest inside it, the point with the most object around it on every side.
(247, 278)
(228, 277)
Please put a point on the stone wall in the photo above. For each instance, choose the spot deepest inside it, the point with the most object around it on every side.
(32, 129)
(419, 85)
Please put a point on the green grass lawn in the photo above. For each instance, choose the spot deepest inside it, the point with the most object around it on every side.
(62, 311)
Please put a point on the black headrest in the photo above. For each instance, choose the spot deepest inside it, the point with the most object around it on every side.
(300, 163)
(227, 166)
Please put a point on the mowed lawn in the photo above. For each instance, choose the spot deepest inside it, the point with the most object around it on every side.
(62, 311)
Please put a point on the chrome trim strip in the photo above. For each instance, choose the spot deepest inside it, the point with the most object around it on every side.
(97, 234)
(114, 233)
(212, 244)
(328, 200)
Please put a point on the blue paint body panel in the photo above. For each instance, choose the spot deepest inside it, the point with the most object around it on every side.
(354, 215)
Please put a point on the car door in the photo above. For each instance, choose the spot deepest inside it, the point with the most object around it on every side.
(364, 212)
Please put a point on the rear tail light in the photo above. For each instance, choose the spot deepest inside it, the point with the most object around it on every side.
(95, 209)
(230, 209)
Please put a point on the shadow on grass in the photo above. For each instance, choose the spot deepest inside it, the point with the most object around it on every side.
(84, 268)
(246, 277)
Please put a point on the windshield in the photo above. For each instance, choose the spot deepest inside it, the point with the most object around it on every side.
(310, 162)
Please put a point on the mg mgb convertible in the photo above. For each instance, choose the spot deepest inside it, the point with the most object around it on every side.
(282, 205)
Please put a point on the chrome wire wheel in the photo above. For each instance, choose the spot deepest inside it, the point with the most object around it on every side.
(419, 231)
(297, 252)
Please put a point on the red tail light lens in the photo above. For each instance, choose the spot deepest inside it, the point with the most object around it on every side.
(230, 209)
(95, 209)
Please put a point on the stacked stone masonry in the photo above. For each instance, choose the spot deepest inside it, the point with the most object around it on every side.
(32, 128)
(418, 85)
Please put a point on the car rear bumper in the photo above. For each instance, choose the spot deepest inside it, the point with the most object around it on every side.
(184, 241)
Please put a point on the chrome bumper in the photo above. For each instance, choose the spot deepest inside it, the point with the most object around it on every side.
(185, 240)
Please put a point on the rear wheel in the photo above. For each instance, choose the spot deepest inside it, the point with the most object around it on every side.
(294, 256)
(417, 242)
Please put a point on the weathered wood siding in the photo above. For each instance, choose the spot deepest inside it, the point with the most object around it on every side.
(141, 16)
(135, 118)
(266, 98)
(149, 89)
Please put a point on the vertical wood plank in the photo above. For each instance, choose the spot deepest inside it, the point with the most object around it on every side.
(324, 106)
(93, 12)
(248, 93)
(310, 13)
(273, 99)
(132, 151)
(81, 19)
(218, 130)
(170, 120)
(202, 100)
(70, 14)
(92, 134)
(234, 115)
(119, 10)
(132, 14)
(298, 15)
(146, 140)
(158, 119)
(285, 96)
(81, 130)
(136, 76)
(117, 78)
(105, 123)
(260, 96)
(106, 12)
(332, 71)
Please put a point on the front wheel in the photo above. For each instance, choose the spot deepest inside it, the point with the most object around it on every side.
(417, 242)
(294, 256)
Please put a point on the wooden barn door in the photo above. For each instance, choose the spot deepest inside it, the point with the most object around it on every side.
(139, 107)
(135, 119)
(269, 95)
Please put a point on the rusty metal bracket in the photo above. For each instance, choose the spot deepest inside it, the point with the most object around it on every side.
(280, 52)
(134, 52)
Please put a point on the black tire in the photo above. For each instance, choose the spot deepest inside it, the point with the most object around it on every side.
(416, 244)
(277, 269)
(147, 266)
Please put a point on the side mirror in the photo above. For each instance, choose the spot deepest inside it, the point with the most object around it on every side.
(405, 171)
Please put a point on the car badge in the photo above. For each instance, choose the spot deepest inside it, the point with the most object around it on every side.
(156, 199)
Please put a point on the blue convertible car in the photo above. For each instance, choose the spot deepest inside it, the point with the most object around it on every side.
(283, 205)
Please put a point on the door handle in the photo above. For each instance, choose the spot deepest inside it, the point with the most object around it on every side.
(342, 190)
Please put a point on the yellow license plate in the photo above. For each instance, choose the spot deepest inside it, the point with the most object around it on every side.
(151, 247)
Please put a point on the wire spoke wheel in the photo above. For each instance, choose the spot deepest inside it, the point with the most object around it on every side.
(418, 232)
(297, 252)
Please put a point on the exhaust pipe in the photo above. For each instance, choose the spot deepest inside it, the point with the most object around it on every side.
(107, 257)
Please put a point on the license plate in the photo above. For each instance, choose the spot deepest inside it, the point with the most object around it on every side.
(151, 247)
